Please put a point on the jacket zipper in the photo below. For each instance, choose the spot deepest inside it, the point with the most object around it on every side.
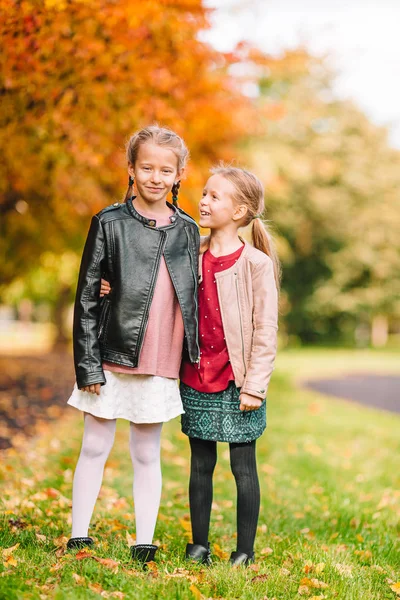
(241, 322)
(195, 303)
(150, 297)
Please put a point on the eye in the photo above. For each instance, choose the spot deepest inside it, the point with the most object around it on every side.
(204, 194)
(146, 168)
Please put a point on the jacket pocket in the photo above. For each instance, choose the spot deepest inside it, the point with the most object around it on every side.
(104, 317)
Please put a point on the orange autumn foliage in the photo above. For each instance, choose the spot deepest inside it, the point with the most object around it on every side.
(77, 78)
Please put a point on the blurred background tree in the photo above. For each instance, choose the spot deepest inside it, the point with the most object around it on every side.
(333, 193)
(79, 76)
(77, 79)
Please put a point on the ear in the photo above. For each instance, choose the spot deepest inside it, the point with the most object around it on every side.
(131, 170)
(239, 212)
(179, 175)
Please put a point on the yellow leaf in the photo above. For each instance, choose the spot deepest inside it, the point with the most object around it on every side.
(266, 551)
(219, 552)
(396, 588)
(130, 539)
(345, 570)
(9, 551)
(196, 592)
(10, 561)
(303, 590)
(359, 537)
(78, 579)
(313, 583)
(185, 524)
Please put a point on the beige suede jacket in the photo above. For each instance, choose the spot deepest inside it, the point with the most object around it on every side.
(248, 302)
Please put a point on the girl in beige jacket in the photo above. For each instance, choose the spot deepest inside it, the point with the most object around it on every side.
(224, 396)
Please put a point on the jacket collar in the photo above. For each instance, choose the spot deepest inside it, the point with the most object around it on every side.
(150, 222)
(245, 251)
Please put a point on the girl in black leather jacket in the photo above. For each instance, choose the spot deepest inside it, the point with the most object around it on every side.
(128, 346)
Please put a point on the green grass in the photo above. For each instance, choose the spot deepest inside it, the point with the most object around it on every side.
(329, 472)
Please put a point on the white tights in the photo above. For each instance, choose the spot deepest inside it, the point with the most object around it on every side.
(144, 445)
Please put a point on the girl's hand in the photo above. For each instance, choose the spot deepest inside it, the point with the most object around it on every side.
(248, 402)
(92, 389)
(105, 288)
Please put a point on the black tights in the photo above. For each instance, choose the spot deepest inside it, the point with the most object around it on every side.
(244, 469)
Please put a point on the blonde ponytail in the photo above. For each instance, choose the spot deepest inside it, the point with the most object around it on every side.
(263, 240)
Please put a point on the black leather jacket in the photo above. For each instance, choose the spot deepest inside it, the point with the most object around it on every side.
(125, 248)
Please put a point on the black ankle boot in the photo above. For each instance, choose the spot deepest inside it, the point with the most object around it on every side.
(143, 553)
(240, 558)
(79, 542)
(198, 553)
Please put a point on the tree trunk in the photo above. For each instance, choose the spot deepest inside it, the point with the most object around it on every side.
(379, 331)
(61, 340)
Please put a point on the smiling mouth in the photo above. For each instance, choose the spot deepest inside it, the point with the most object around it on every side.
(203, 213)
(154, 189)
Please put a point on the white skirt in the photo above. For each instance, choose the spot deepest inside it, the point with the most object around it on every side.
(136, 398)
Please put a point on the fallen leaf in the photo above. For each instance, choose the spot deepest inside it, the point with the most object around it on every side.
(107, 562)
(41, 538)
(152, 567)
(359, 537)
(78, 578)
(313, 583)
(10, 561)
(345, 570)
(259, 578)
(219, 552)
(364, 555)
(96, 587)
(84, 553)
(303, 590)
(130, 539)
(396, 588)
(266, 551)
(196, 592)
(8, 551)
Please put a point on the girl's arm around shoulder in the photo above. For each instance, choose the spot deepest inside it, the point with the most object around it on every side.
(265, 326)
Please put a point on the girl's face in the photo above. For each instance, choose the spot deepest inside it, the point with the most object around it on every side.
(155, 172)
(217, 207)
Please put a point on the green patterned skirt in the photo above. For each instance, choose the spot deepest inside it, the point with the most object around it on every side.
(217, 416)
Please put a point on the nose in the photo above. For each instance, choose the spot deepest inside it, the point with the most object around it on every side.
(156, 178)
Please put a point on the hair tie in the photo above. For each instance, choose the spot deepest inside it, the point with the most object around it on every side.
(256, 217)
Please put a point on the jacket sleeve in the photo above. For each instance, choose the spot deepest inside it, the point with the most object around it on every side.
(87, 359)
(265, 326)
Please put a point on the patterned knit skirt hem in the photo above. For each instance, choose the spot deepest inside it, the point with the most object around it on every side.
(217, 417)
(136, 398)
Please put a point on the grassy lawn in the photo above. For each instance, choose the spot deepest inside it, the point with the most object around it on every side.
(329, 522)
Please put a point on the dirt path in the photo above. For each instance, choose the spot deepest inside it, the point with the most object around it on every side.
(33, 391)
(379, 391)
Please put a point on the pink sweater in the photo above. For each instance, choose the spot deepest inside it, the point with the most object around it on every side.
(162, 345)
